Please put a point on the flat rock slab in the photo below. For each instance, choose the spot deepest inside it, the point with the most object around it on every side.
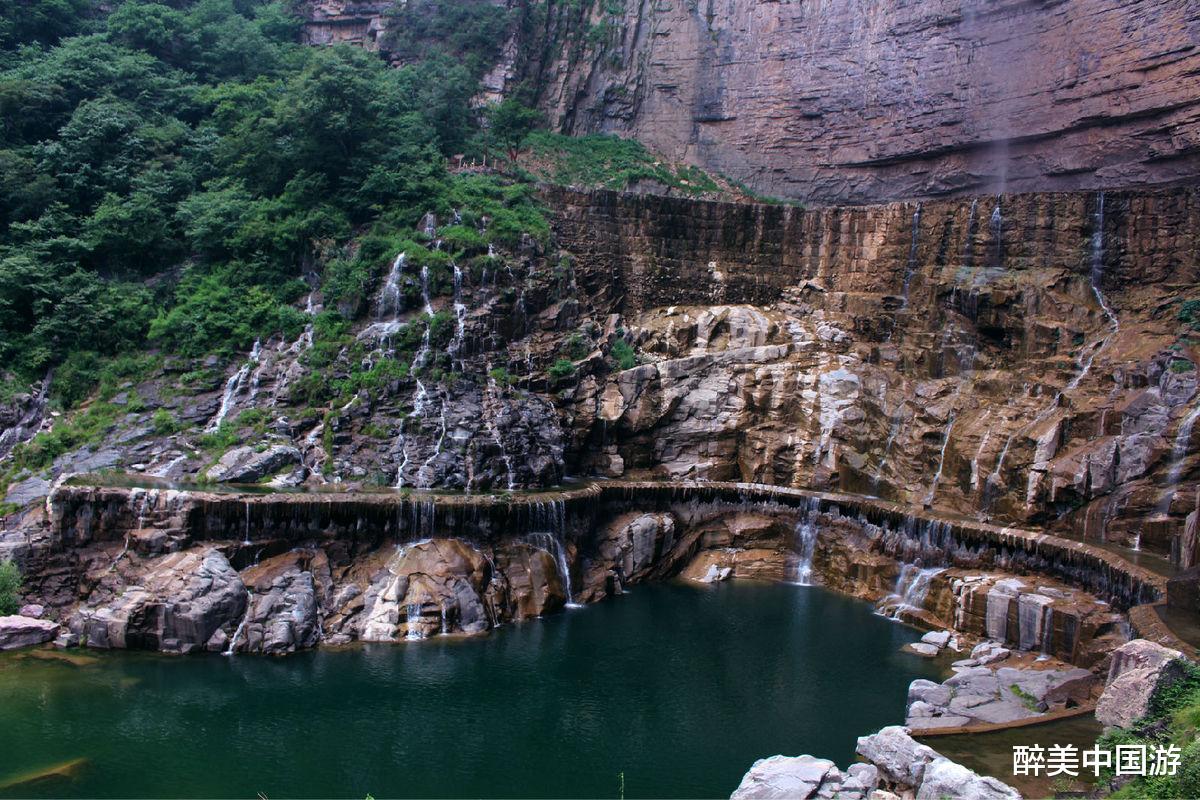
(17, 631)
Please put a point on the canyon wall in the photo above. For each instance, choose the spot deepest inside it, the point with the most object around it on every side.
(855, 101)
(1017, 357)
(858, 101)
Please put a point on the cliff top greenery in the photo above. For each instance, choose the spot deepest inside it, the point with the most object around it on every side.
(176, 177)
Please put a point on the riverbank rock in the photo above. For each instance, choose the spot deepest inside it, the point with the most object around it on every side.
(786, 777)
(282, 616)
(17, 631)
(247, 465)
(1140, 670)
(905, 763)
(981, 694)
(181, 601)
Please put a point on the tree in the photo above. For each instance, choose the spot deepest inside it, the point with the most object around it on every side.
(509, 122)
(10, 588)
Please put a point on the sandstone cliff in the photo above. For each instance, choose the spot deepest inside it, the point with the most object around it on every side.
(838, 102)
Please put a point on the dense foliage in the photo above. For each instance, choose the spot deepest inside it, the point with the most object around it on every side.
(168, 172)
(10, 588)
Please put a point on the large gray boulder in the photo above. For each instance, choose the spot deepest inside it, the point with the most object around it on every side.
(182, 600)
(899, 757)
(282, 615)
(248, 465)
(945, 778)
(1140, 669)
(17, 631)
(798, 777)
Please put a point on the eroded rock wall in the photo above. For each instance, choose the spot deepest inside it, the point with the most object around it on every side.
(855, 102)
(1016, 357)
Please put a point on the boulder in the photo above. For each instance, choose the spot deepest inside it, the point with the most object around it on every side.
(247, 465)
(1139, 671)
(17, 631)
(182, 600)
(937, 638)
(945, 778)
(899, 758)
(798, 777)
(282, 616)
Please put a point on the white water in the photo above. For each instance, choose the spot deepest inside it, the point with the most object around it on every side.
(912, 588)
(806, 541)
(234, 386)
(494, 430)
(911, 267)
(998, 232)
(1183, 438)
(552, 544)
(237, 634)
(987, 435)
(937, 476)
(412, 614)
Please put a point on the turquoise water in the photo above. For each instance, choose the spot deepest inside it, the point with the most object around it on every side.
(678, 687)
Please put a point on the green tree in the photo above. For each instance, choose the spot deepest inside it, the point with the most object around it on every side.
(10, 588)
(509, 122)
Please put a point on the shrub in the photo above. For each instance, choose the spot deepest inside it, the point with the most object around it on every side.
(10, 588)
(165, 423)
(623, 353)
(562, 368)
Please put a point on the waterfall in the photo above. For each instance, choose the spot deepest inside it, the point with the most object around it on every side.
(997, 223)
(1031, 616)
(912, 589)
(897, 418)
(460, 313)
(937, 476)
(490, 422)
(246, 535)
(968, 256)
(234, 386)
(1183, 438)
(412, 615)
(1047, 643)
(911, 267)
(983, 441)
(549, 519)
(1097, 263)
(391, 301)
(806, 542)
(237, 634)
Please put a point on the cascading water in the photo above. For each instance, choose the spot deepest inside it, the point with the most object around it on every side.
(968, 256)
(549, 520)
(911, 267)
(912, 589)
(1183, 439)
(806, 542)
(494, 430)
(997, 223)
(937, 476)
(983, 442)
(412, 615)
(234, 386)
(237, 634)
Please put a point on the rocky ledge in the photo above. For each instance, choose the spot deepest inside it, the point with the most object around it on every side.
(897, 765)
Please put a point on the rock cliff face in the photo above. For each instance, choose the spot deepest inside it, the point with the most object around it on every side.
(838, 102)
(1017, 357)
(854, 102)
(1020, 358)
